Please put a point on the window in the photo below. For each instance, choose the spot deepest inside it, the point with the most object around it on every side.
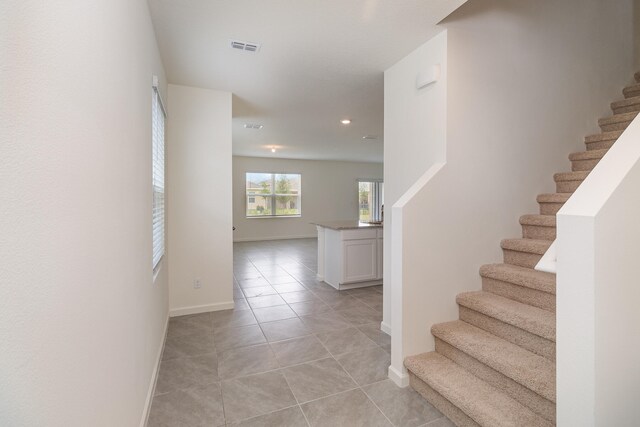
(157, 173)
(273, 194)
(370, 200)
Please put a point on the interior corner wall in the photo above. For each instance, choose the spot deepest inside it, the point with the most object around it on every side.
(199, 243)
(82, 319)
(329, 192)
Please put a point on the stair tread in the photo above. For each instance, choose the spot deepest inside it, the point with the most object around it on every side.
(618, 118)
(570, 176)
(527, 317)
(538, 220)
(603, 136)
(631, 88)
(524, 367)
(588, 155)
(553, 197)
(534, 246)
(625, 102)
(483, 403)
(526, 277)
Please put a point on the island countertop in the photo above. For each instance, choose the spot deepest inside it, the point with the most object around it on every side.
(346, 225)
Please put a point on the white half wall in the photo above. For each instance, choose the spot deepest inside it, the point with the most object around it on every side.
(597, 293)
(199, 200)
(329, 192)
(414, 134)
(525, 83)
(82, 320)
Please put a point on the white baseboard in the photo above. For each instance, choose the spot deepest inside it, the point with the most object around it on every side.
(401, 379)
(154, 378)
(386, 328)
(262, 239)
(196, 309)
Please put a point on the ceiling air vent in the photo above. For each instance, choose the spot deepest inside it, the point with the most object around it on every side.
(247, 46)
(369, 137)
(252, 126)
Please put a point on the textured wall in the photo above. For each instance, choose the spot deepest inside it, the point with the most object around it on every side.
(81, 317)
(199, 200)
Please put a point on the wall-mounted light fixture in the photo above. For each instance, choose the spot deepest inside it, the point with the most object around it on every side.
(428, 77)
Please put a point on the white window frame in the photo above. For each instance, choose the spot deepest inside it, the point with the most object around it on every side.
(376, 210)
(272, 195)
(158, 116)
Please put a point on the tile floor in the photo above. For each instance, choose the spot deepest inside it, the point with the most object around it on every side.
(294, 352)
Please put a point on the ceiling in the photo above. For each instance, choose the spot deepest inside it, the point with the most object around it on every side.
(320, 61)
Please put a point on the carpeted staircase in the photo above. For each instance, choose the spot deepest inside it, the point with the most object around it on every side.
(495, 366)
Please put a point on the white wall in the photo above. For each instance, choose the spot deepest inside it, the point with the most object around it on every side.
(597, 309)
(199, 200)
(81, 318)
(526, 82)
(329, 192)
(412, 144)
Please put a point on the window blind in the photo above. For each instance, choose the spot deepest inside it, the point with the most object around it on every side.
(157, 175)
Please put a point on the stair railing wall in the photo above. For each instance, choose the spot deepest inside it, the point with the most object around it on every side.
(598, 289)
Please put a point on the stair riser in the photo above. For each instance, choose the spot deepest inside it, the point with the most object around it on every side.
(534, 343)
(550, 208)
(447, 408)
(538, 232)
(584, 165)
(630, 93)
(522, 259)
(567, 186)
(538, 404)
(540, 299)
(600, 145)
(615, 126)
(627, 109)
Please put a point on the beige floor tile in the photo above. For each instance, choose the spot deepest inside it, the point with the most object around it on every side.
(255, 395)
(290, 417)
(345, 341)
(325, 322)
(232, 318)
(299, 350)
(195, 407)
(265, 301)
(403, 406)
(366, 366)
(187, 372)
(310, 308)
(271, 314)
(188, 325)
(284, 329)
(246, 361)
(188, 345)
(320, 378)
(289, 287)
(349, 409)
(242, 336)
(258, 291)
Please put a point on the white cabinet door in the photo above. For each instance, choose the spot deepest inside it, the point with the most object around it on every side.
(360, 260)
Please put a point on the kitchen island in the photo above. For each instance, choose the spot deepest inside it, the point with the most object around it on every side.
(349, 254)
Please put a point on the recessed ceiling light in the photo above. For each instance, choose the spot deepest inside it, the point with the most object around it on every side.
(345, 121)
(273, 150)
(253, 126)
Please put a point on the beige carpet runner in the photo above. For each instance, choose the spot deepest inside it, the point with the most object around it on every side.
(495, 366)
